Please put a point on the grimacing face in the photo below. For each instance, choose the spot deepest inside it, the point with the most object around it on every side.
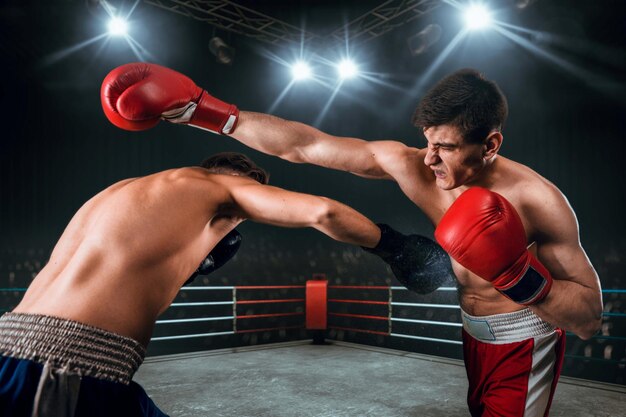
(453, 161)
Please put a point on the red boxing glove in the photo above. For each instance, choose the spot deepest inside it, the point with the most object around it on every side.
(483, 232)
(136, 96)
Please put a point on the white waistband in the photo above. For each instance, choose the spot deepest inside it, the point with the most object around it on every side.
(506, 327)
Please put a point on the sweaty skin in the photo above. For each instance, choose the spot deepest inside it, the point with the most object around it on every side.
(127, 251)
(433, 178)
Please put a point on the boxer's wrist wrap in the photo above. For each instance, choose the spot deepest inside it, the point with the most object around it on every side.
(390, 241)
(531, 287)
(215, 115)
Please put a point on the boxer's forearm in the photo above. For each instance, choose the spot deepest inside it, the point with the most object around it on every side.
(345, 224)
(275, 136)
(572, 307)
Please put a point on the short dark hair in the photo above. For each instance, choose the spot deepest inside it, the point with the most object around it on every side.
(466, 100)
(229, 162)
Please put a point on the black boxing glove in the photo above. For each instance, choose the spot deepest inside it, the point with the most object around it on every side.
(419, 263)
(221, 253)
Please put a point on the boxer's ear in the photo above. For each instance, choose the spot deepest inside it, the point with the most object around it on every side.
(492, 144)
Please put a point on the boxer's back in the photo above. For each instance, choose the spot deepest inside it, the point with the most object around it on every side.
(127, 251)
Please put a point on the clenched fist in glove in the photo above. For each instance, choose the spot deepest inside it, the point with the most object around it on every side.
(483, 232)
(417, 262)
(136, 96)
(221, 253)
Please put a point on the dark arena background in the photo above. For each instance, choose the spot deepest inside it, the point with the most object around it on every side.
(561, 64)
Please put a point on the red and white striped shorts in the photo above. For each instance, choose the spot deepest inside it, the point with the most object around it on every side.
(513, 362)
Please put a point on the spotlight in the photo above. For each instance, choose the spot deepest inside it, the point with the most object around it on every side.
(300, 71)
(477, 17)
(118, 26)
(423, 40)
(347, 69)
(224, 54)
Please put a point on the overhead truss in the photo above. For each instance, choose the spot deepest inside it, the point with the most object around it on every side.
(384, 18)
(230, 16)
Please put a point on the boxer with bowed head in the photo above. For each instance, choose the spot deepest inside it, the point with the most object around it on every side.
(73, 343)
(522, 274)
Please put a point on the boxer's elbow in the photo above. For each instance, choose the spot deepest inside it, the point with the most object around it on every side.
(304, 153)
(294, 155)
(594, 324)
(326, 216)
(324, 212)
(307, 147)
(590, 327)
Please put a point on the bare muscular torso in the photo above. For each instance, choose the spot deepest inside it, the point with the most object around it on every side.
(517, 183)
(125, 254)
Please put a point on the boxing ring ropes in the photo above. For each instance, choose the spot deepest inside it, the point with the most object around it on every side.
(320, 309)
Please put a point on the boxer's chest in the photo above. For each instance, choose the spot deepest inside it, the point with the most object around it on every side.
(442, 203)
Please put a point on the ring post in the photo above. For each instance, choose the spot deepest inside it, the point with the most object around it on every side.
(317, 307)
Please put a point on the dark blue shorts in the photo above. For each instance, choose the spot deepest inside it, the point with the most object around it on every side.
(53, 367)
(20, 379)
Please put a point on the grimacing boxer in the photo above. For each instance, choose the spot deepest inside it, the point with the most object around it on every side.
(516, 302)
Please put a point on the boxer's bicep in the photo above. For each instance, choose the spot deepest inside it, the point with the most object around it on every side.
(559, 247)
(575, 301)
(369, 159)
(568, 261)
(381, 159)
(278, 207)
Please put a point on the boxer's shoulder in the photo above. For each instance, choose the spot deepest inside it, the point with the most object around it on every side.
(396, 158)
(539, 202)
(196, 177)
(522, 185)
(416, 179)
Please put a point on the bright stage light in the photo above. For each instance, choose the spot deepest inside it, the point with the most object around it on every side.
(477, 17)
(118, 27)
(300, 71)
(347, 69)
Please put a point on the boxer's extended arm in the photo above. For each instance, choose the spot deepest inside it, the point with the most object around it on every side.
(300, 143)
(137, 96)
(575, 301)
(275, 206)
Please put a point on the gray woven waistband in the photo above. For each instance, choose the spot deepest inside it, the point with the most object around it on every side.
(70, 345)
(506, 327)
